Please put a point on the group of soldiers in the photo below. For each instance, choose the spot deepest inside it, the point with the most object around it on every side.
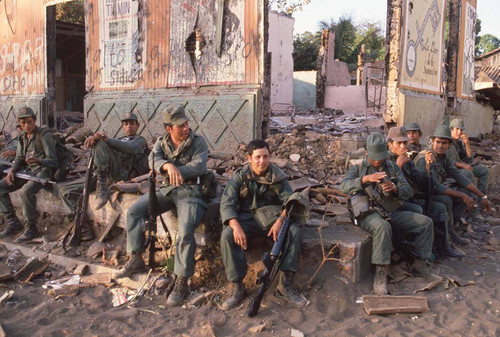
(407, 197)
(253, 202)
(412, 197)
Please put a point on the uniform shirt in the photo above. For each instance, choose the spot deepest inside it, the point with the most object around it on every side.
(27, 147)
(416, 179)
(245, 192)
(352, 181)
(442, 169)
(415, 147)
(132, 153)
(457, 152)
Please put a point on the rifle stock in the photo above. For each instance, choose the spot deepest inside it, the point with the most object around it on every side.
(271, 263)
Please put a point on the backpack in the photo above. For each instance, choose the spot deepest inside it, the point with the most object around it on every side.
(64, 156)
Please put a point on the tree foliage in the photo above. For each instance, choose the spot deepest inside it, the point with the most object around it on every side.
(72, 12)
(305, 51)
(289, 6)
(487, 43)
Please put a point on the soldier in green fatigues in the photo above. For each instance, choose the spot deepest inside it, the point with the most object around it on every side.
(460, 151)
(411, 231)
(414, 133)
(115, 159)
(253, 205)
(181, 156)
(436, 162)
(9, 151)
(397, 141)
(36, 153)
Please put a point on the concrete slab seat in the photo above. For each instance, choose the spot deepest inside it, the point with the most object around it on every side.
(48, 202)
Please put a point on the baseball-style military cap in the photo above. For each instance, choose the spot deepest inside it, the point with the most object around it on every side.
(174, 114)
(376, 146)
(25, 112)
(129, 116)
(442, 131)
(413, 127)
(457, 123)
(398, 134)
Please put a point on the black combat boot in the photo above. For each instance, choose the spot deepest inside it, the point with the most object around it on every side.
(458, 239)
(13, 226)
(179, 293)
(237, 293)
(380, 280)
(102, 189)
(30, 232)
(422, 269)
(450, 250)
(285, 289)
(133, 266)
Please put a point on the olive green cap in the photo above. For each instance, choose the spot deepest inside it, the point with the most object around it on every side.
(398, 134)
(25, 112)
(376, 146)
(174, 114)
(129, 116)
(457, 123)
(413, 127)
(442, 131)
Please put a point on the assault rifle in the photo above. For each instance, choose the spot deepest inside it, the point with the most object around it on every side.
(81, 213)
(26, 175)
(271, 263)
(153, 213)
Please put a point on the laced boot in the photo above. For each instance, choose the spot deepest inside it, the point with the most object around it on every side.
(102, 189)
(30, 232)
(458, 239)
(476, 216)
(179, 293)
(421, 268)
(285, 289)
(380, 280)
(13, 226)
(452, 251)
(134, 265)
(237, 293)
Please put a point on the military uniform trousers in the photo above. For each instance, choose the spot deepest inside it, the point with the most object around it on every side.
(481, 173)
(71, 192)
(105, 159)
(440, 207)
(414, 230)
(29, 189)
(190, 212)
(234, 258)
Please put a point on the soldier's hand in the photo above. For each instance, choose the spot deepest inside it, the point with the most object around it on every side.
(239, 235)
(467, 166)
(429, 157)
(402, 159)
(8, 153)
(275, 229)
(487, 205)
(174, 175)
(101, 136)
(465, 138)
(468, 201)
(373, 178)
(30, 161)
(10, 177)
(89, 142)
(388, 186)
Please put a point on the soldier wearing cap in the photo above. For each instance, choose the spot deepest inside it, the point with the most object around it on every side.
(181, 156)
(460, 151)
(414, 133)
(423, 191)
(36, 153)
(376, 169)
(253, 205)
(436, 162)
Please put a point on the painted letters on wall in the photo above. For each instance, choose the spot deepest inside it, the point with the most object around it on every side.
(465, 78)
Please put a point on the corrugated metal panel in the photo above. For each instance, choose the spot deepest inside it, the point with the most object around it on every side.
(22, 47)
(141, 44)
(492, 72)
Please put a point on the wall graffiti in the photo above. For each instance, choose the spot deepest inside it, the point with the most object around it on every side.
(21, 66)
(465, 79)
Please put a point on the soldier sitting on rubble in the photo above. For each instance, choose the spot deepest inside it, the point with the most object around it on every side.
(424, 193)
(378, 188)
(414, 134)
(253, 205)
(9, 151)
(116, 159)
(460, 151)
(435, 161)
(35, 153)
(180, 155)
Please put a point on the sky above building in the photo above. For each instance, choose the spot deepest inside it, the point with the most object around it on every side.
(376, 11)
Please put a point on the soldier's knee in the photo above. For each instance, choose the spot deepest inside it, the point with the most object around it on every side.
(381, 227)
(226, 235)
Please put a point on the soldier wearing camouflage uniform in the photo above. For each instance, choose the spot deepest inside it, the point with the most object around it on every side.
(436, 162)
(180, 155)
(411, 231)
(397, 141)
(257, 187)
(36, 153)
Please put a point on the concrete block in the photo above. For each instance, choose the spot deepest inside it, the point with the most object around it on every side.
(494, 175)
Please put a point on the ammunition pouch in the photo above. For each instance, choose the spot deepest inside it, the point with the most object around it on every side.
(267, 215)
(387, 203)
(359, 205)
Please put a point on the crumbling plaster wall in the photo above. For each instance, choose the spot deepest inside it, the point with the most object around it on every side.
(304, 89)
(280, 45)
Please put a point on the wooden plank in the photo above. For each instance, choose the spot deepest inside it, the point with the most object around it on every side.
(34, 267)
(383, 305)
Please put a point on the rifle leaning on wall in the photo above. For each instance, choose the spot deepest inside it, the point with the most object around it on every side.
(151, 222)
(271, 264)
(83, 205)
